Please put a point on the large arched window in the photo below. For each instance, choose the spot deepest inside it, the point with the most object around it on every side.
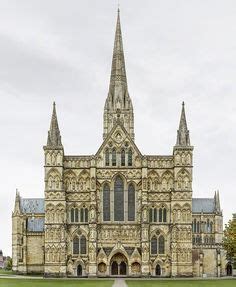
(119, 199)
(154, 245)
(131, 203)
(161, 245)
(106, 203)
(76, 245)
(122, 155)
(107, 159)
(113, 157)
(130, 157)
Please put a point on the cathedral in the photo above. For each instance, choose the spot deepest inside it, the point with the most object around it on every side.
(118, 212)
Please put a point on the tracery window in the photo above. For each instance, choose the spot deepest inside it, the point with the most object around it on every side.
(122, 157)
(157, 245)
(131, 202)
(118, 199)
(78, 215)
(113, 157)
(158, 215)
(106, 203)
(79, 245)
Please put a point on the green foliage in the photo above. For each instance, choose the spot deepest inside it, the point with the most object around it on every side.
(9, 264)
(229, 240)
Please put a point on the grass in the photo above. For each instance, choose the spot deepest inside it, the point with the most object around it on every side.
(7, 272)
(14, 282)
(181, 283)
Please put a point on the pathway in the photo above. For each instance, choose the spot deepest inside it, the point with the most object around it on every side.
(119, 282)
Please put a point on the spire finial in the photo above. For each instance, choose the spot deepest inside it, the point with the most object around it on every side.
(54, 137)
(183, 132)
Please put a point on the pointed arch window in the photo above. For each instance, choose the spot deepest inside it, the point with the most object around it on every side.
(76, 215)
(130, 158)
(154, 215)
(113, 157)
(107, 157)
(106, 203)
(131, 202)
(83, 245)
(122, 157)
(154, 245)
(118, 199)
(160, 215)
(86, 215)
(76, 245)
(72, 218)
(164, 215)
(161, 245)
(81, 215)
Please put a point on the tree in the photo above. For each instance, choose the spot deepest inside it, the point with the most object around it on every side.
(229, 239)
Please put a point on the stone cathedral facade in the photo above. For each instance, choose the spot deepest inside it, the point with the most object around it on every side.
(118, 212)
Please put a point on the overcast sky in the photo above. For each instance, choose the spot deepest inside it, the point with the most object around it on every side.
(61, 50)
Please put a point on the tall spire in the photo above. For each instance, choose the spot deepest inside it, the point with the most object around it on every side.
(118, 81)
(183, 132)
(118, 102)
(54, 136)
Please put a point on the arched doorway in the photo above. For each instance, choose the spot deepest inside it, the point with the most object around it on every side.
(158, 270)
(229, 269)
(79, 270)
(119, 265)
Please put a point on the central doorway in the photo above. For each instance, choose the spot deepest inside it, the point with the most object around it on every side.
(119, 265)
(79, 270)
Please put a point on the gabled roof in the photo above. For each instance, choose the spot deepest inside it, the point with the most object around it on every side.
(35, 224)
(205, 205)
(32, 205)
(109, 136)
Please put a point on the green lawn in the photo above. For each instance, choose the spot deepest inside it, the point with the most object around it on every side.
(7, 272)
(181, 283)
(13, 282)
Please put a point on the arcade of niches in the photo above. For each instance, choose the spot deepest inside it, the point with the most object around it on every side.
(118, 212)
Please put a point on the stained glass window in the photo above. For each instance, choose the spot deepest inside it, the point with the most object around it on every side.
(161, 245)
(82, 245)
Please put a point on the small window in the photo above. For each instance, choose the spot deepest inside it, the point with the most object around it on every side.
(154, 245)
(113, 157)
(76, 215)
(164, 215)
(130, 158)
(161, 245)
(160, 215)
(81, 215)
(72, 216)
(86, 214)
(122, 157)
(76, 245)
(107, 159)
(155, 215)
(83, 245)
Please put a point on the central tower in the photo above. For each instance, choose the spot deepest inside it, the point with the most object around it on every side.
(118, 103)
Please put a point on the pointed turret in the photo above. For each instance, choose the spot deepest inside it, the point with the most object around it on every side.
(183, 132)
(217, 202)
(17, 202)
(118, 100)
(54, 136)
